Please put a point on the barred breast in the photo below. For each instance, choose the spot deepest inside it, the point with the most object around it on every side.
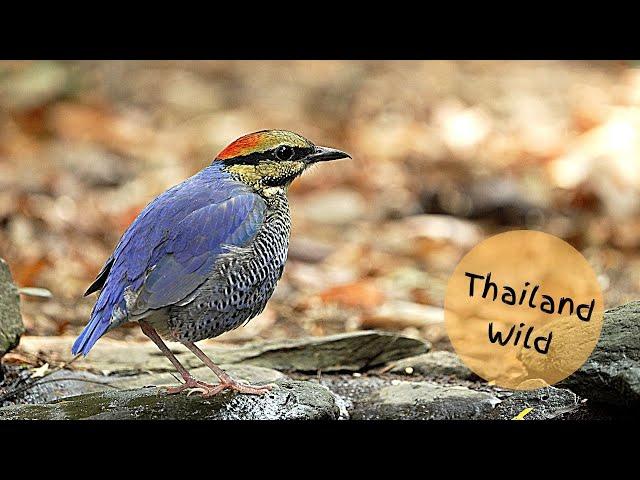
(242, 282)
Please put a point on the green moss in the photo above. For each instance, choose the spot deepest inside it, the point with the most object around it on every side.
(290, 400)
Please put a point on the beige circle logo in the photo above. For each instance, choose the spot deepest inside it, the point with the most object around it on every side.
(523, 309)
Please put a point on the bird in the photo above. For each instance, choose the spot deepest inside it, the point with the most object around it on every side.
(204, 257)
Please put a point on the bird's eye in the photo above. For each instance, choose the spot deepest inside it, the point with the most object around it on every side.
(284, 152)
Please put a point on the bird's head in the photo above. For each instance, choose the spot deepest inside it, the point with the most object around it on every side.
(273, 158)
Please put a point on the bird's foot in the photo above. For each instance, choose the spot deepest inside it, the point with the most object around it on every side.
(231, 384)
(192, 385)
(207, 390)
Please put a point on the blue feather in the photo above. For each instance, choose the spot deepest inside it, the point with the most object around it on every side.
(171, 247)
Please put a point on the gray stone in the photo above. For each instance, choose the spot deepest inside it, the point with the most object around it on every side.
(289, 400)
(69, 383)
(433, 364)
(611, 375)
(11, 327)
(355, 351)
(424, 401)
(123, 357)
(545, 404)
(349, 352)
(57, 385)
(246, 373)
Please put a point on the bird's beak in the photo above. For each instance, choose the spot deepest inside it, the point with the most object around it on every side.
(323, 154)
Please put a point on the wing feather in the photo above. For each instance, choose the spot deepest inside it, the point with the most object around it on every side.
(171, 247)
(192, 250)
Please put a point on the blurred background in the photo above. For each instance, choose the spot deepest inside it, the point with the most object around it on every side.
(445, 154)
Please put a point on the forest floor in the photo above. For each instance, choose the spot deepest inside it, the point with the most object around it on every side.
(445, 155)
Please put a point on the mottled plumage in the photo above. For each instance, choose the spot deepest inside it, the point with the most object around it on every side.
(205, 256)
(171, 247)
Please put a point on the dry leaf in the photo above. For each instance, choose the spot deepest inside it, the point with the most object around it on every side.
(40, 371)
(356, 295)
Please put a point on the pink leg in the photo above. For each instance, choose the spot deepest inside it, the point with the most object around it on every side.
(225, 380)
(190, 383)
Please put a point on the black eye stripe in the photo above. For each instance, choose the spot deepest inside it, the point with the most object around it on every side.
(254, 158)
(296, 153)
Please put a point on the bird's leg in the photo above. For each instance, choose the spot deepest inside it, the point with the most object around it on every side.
(225, 380)
(189, 381)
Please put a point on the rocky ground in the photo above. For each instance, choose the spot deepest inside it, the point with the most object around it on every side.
(366, 375)
(445, 154)
(363, 375)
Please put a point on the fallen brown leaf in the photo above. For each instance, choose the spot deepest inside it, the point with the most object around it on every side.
(361, 294)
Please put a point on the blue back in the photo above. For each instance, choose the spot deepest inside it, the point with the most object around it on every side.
(171, 247)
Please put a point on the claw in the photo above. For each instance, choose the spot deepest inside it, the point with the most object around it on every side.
(194, 386)
(195, 390)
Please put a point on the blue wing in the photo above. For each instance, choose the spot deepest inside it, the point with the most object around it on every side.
(171, 248)
(193, 248)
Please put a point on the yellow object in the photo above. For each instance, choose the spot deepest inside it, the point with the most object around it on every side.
(523, 309)
(523, 414)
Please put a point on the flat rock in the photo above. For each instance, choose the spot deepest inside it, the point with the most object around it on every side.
(424, 401)
(70, 383)
(350, 352)
(289, 400)
(545, 404)
(357, 351)
(611, 375)
(433, 364)
(246, 373)
(11, 327)
(110, 356)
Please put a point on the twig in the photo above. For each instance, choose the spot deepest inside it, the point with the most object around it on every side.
(79, 379)
(29, 385)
